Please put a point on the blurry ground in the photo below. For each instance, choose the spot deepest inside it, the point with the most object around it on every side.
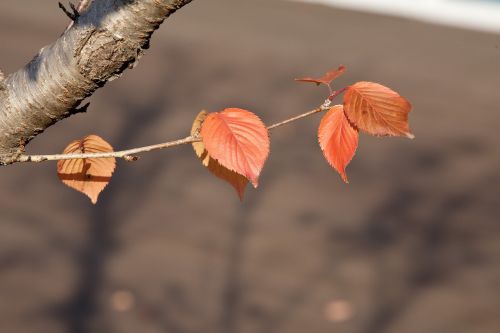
(412, 244)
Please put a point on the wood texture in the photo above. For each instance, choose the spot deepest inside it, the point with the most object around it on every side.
(109, 37)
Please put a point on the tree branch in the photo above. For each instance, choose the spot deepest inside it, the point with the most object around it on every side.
(125, 154)
(107, 38)
(129, 153)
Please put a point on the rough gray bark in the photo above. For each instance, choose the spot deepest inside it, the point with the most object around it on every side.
(109, 37)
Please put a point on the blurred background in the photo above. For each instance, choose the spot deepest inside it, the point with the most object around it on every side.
(411, 245)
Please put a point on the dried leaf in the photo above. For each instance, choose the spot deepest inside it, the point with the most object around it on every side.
(238, 140)
(238, 181)
(89, 176)
(338, 139)
(377, 110)
(325, 79)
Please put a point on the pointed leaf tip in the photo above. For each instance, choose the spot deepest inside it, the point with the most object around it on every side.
(236, 180)
(89, 176)
(338, 139)
(377, 110)
(238, 140)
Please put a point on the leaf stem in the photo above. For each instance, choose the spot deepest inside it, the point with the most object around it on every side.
(334, 94)
(129, 154)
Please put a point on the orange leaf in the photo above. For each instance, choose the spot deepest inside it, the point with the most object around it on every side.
(89, 176)
(238, 181)
(338, 139)
(238, 140)
(325, 79)
(377, 110)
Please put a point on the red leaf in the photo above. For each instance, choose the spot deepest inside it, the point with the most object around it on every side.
(325, 79)
(377, 110)
(89, 176)
(238, 140)
(238, 181)
(338, 139)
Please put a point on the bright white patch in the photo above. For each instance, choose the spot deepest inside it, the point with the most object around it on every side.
(473, 14)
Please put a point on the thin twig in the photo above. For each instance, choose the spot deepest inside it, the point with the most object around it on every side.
(125, 154)
(324, 107)
(129, 154)
(72, 15)
(77, 10)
